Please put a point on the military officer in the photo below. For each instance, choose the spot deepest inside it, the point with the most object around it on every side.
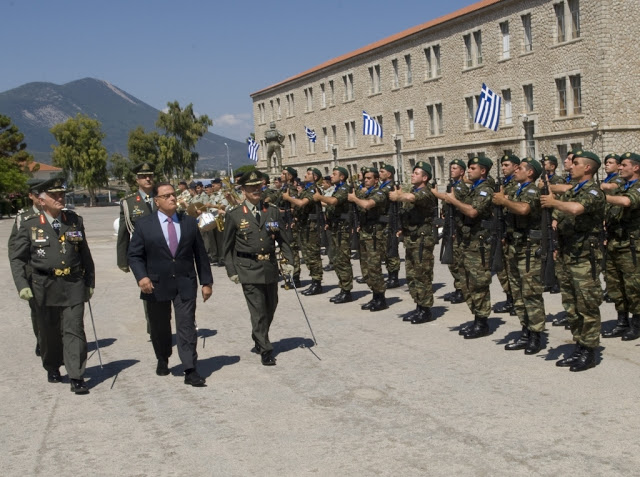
(339, 223)
(133, 207)
(417, 230)
(53, 244)
(250, 234)
(392, 263)
(578, 216)
(523, 238)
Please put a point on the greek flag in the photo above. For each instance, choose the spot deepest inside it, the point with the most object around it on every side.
(488, 113)
(311, 134)
(370, 126)
(253, 149)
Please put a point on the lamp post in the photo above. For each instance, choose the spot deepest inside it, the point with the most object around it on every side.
(228, 163)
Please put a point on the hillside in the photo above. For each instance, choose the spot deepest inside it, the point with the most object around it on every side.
(36, 107)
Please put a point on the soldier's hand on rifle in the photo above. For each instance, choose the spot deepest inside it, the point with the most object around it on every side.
(317, 195)
(394, 194)
(351, 196)
(499, 198)
(547, 200)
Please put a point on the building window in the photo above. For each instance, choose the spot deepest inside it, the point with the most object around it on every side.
(374, 77)
(409, 77)
(574, 9)
(308, 96)
(576, 146)
(350, 128)
(436, 57)
(477, 37)
(323, 97)
(473, 49)
(396, 116)
(528, 98)
(560, 32)
(334, 134)
(311, 146)
(331, 94)
(436, 122)
(325, 139)
(432, 120)
(561, 89)
(271, 110)
(562, 151)
(432, 58)
(506, 40)
(508, 111)
(348, 87)
(529, 130)
(470, 113)
(278, 108)
(292, 145)
(439, 118)
(396, 77)
(290, 105)
(528, 37)
(427, 57)
(468, 57)
(576, 93)
(261, 112)
(376, 139)
(412, 131)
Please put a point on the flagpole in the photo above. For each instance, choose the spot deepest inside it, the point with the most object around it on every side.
(228, 162)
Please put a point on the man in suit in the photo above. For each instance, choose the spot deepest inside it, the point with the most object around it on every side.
(52, 244)
(250, 234)
(162, 253)
(133, 207)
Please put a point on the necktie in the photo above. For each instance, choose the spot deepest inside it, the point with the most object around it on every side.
(257, 216)
(148, 201)
(56, 226)
(173, 236)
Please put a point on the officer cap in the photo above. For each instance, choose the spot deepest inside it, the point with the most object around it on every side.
(425, 167)
(291, 171)
(199, 184)
(588, 155)
(208, 186)
(342, 171)
(192, 185)
(266, 178)
(612, 156)
(33, 184)
(55, 184)
(250, 178)
(370, 169)
(630, 155)
(217, 180)
(511, 158)
(533, 163)
(459, 162)
(551, 159)
(483, 161)
(388, 168)
(316, 172)
(238, 175)
(144, 169)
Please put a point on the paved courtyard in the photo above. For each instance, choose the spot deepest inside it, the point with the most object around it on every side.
(375, 396)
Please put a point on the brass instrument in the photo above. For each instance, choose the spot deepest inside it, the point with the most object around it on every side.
(230, 194)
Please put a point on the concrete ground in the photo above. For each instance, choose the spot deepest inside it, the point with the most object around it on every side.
(375, 396)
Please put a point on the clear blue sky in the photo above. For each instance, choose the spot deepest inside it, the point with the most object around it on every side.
(209, 53)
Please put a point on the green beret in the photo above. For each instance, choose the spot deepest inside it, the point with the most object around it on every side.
(612, 156)
(144, 169)
(551, 159)
(250, 178)
(459, 163)
(55, 184)
(342, 171)
(533, 163)
(291, 171)
(316, 172)
(425, 167)
(588, 155)
(388, 168)
(631, 156)
(370, 169)
(511, 158)
(483, 161)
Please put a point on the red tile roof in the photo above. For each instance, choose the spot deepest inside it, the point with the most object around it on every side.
(43, 167)
(386, 41)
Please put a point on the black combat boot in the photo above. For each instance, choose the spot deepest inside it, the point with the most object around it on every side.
(480, 329)
(410, 316)
(449, 296)
(505, 307)
(521, 342)
(392, 280)
(634, 329)
(561, 321)
(622, 326)
(458, 298)
(464, 329)
(423, 316)
(344, 298)
(338, 296)
(361, 280)
(314, 289)
(586, 360)
(535, 343)
(296, 281)
(379, 303)
(369, 304)
(571, 359)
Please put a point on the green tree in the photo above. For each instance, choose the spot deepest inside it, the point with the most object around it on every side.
(182, 132)
(143, 147)
(80, 152)
(119, 166)
(243, 169)
(14, 158)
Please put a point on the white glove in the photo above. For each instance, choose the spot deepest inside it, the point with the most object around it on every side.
(91, 290)
(287, 269)
(26, 294)
(234, 279)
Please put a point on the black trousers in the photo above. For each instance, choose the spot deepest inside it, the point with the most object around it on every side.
(262, 301)
(186, 337)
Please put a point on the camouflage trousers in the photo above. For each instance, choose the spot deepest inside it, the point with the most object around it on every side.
(419, 268)
(526, 286)
(584, 294)
(341, 244)
(392, 264)
(372, 247)
(310, 248)
(477, 277)
(503, 275)
(455, 267)
(294, 243)
(622, 276)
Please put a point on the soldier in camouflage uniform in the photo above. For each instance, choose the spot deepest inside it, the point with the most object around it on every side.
(578, 216)
(288, 175)
(392, 264)
(306, 212)
(372, 204)
(623, 234)
(550, 164)
(476, 208)
(417, 230)
(523, 238)
(340, 226)
(460, 189)
(508, 164)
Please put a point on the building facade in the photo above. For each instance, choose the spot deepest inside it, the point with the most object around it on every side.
(568, 72)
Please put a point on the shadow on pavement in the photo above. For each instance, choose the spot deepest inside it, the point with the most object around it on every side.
(206, 333)
(288, 344)
(103, 343)
(206, 367)
(96, 375)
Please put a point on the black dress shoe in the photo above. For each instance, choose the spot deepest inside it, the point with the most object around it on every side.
(555, 289)
(622, 326)
(268, 359)
(54, 376)
(505, 307)
(520, 343)
(314, 289)
(163, 367)
(423, 316)
(78, 386)
(449, 296)
(37, 349)
(633, 333)
(392, 280)
(345, 298)
(256, 349)
(194, 379)
(328, 268)
(464, 329)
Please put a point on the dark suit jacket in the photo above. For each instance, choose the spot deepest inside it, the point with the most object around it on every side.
(132, 208)
(149, 256)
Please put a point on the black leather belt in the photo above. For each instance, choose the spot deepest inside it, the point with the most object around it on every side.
(257, 256)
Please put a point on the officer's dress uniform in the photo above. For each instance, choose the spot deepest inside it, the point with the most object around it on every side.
(63, 271)
(340, 225)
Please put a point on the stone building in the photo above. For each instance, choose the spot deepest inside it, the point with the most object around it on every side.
(568, 72)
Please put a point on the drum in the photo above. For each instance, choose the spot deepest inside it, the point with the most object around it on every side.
(206, 221)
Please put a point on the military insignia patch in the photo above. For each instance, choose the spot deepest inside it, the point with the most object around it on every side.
(41, 253)
(593, 192)
(40, 236)
(244, 224)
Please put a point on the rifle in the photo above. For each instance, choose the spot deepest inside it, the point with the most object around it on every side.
(548, 242)
(394, 226)
(437, 220)
(446, 249)
(355, 222)
(321, 222)
(497, 232)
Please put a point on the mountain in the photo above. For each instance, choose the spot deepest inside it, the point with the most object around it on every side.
(36, 107)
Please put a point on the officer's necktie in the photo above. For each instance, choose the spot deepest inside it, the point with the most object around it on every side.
(173, 236)
(147, 199)
(257, 216)
(56, 226)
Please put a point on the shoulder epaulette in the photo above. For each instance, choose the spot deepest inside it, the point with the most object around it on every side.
(32, 215)
(129, 196)
(232, 208)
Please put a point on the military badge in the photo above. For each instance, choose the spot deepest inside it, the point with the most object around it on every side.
(41, 253)
(244, 224)
(33, 233)
(272, 226)
(74, 236)
(40, 236)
